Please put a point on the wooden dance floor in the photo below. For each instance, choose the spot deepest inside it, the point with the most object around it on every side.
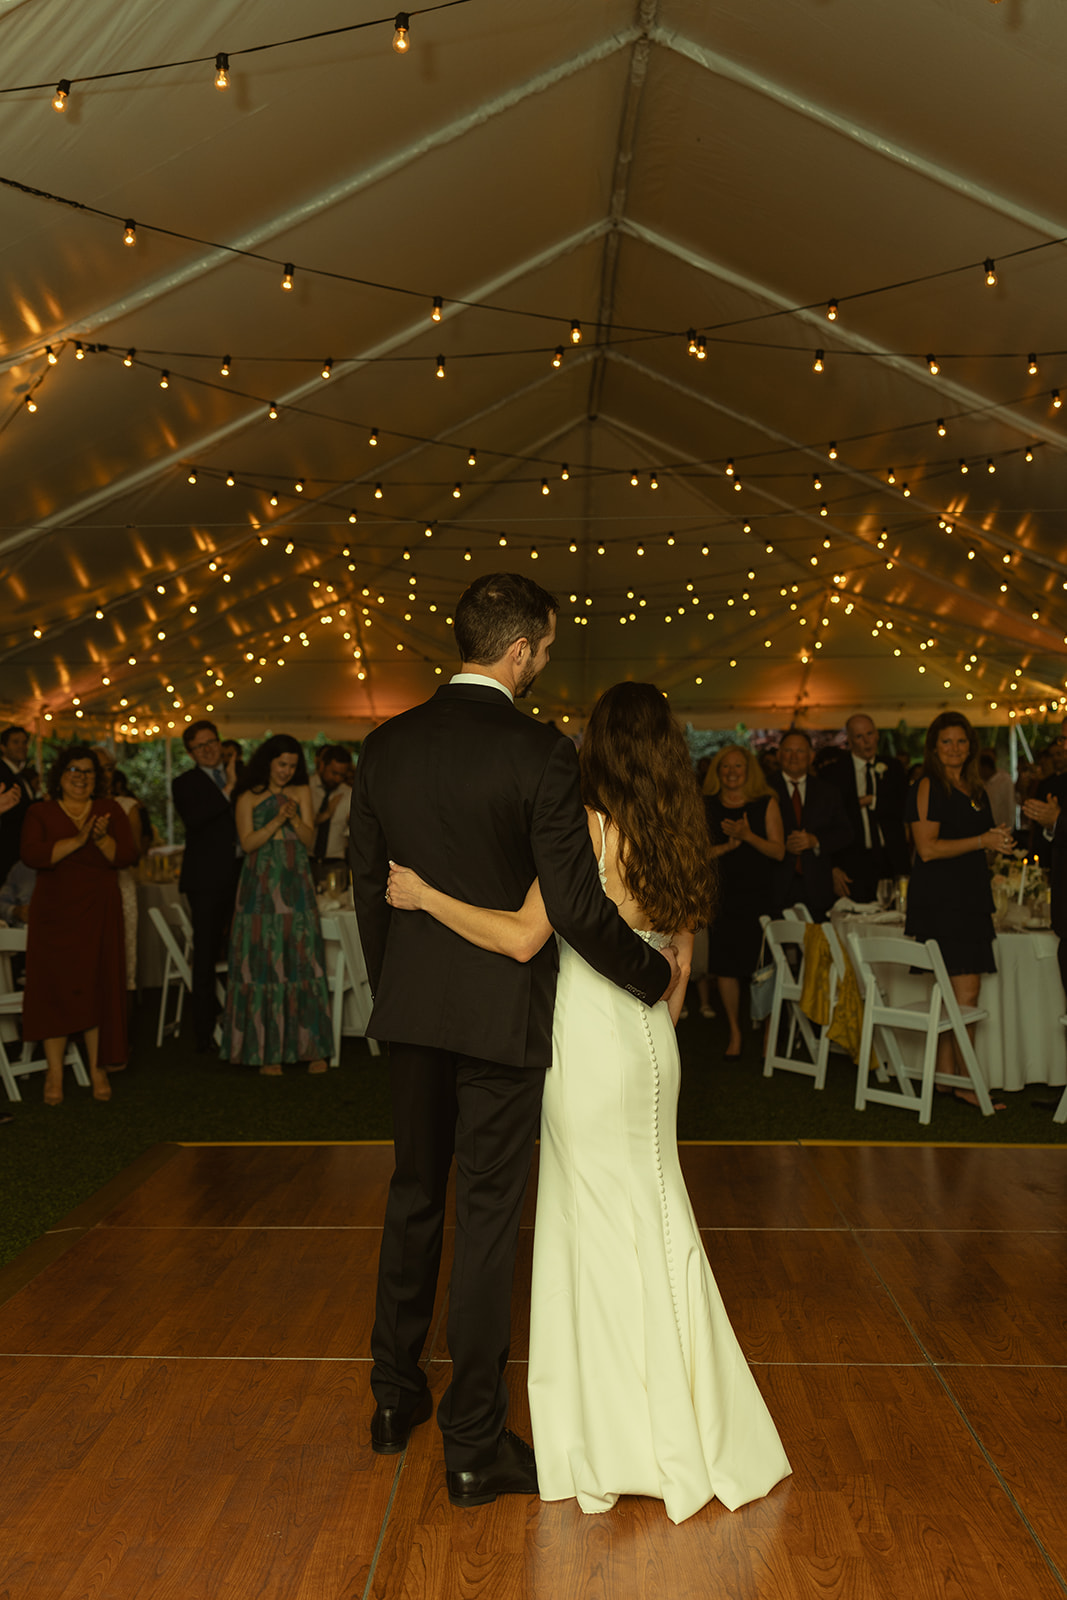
(184, 1403)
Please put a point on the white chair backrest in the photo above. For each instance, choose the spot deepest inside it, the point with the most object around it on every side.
(780, 934)
(12, 938)
(799, 911)
(178, 957)
(837, 955)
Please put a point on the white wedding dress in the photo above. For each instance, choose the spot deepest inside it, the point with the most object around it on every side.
(637, 1382)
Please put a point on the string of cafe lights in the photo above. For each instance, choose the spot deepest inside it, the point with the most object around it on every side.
(220, 60)
(696, 337)
(732, 469)
(834, 598)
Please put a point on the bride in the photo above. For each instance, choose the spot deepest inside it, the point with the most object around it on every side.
(637, 1383)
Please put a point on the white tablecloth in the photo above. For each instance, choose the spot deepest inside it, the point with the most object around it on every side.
(1022, 1040)
(339, 927)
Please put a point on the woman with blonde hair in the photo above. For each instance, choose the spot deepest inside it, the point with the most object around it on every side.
(637, 1383)
(747, 838)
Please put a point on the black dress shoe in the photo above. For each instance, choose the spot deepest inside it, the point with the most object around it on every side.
(513, 1472)
(391, 1426)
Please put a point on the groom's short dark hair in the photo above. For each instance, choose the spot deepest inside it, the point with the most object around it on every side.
(496, 610)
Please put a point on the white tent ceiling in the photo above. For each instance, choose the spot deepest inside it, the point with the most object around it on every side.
(643, 168)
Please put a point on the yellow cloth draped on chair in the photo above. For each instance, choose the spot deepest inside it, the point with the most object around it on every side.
(847, 1020)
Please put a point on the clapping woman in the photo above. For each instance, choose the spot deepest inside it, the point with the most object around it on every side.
(277, 998)
(78, 840)
(747, 837)
(949, 898)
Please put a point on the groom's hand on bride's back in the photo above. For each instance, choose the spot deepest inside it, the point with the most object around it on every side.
(670, 955)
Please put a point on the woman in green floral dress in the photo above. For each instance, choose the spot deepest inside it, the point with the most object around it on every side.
(277, 997)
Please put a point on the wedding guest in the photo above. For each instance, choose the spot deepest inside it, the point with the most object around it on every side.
(78, 841)
(277, 998)
(816, 828)
(232, 754)
(949, 898)
(747, 839)
(120, 790)
(210, 864)
(331, 802)
(873, 793)
(16, 793)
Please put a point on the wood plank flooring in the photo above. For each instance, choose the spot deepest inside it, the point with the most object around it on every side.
(184, 1404)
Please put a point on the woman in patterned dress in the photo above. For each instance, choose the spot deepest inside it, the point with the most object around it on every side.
(277, 998)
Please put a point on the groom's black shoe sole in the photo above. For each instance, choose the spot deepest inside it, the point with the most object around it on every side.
(391, 1426)
(513, 1472)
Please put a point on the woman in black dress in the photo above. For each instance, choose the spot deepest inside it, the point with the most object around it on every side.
(949, 898)
(747, 837)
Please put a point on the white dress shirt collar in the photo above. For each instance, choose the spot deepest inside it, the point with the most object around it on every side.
(482, 682)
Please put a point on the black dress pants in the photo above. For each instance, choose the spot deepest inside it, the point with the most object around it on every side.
(487, 1117)
(211, 906)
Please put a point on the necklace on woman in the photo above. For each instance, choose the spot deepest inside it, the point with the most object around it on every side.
(77, 817)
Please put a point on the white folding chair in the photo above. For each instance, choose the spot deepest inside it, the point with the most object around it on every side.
(13, 939)
(172, 923)
(780, 936)
(339, 979)
(799, 911)
(941, 1013)
(1060, 1113)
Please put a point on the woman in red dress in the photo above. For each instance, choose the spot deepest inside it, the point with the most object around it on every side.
(75, 954)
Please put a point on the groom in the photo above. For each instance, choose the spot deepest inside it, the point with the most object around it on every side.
(480, 800)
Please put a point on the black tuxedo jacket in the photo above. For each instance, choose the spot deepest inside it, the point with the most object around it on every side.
(11, 821)
(479, 800)
(210, 831)
(888, 813)
(824, 816)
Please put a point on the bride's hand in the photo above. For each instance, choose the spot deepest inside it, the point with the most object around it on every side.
(405, 889)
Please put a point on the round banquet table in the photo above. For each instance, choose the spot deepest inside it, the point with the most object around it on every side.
(1022, 1040)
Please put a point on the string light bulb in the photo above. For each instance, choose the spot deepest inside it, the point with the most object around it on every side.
(1031, 365)
(565, 472)
(164, 380)
(128, 358)
(557, 357)
(653, 481)
(287, 275)
(990, 270)
(31, 404)
(272, 412)
(544, 486)
(79, 350)
(1056, 400)
(832, 451)
(576, 333)
(59, 99)
(438, 303)
(50, 353)
(816, 481)
(932, 363)
(327, 367)
(635, 478)
(379, 492)
(402, 33)
(817, 364)
(230, 480)
(831, 311)
(702, 348)
(299, 485)
(457, 490)
(440, 366)
(964, 468)
(352, 518)
(941, 429)
(222, 70)
(1029, 454)
(192, 474)
(373, 439)
(129, 233)
(472, 457)
(225, 368)
(691, 337)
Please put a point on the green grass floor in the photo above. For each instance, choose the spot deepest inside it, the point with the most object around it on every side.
(52, 1160)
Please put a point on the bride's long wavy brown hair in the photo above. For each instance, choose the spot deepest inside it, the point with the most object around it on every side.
(636, 769)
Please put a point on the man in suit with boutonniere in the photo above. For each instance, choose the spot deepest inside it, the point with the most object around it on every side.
(873, 793)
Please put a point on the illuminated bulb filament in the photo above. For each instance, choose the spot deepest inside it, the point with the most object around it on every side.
(225, 368)
(435, 314)
(557, 359)
(128, 358)
(327, 367)
(1031, 365)
(222, 70)
(817, 364)
(576, 333)
(440, 366)
(931, 362)
(402, 35)
(989, 268)
(287, 275)
(831, 311)
(129, 235)
(59, 99)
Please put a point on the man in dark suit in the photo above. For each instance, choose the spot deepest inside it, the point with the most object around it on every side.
(16, 794)
(480, 800)
(873, 793)
(815, 828)
(210, 864)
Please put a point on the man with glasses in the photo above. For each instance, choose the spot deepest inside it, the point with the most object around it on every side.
(210, 864)
(16, 794)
